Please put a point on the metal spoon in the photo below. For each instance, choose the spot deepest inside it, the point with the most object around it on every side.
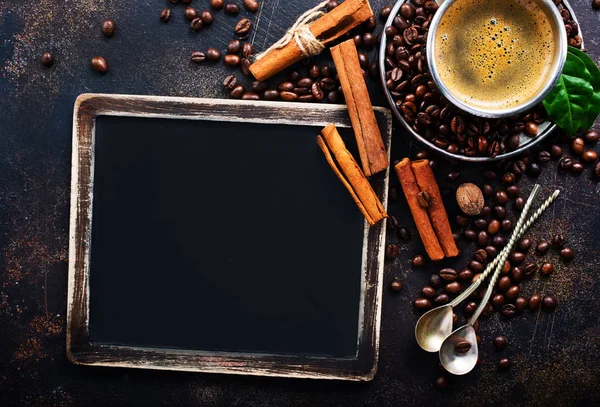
(462, 363)
(435, 325)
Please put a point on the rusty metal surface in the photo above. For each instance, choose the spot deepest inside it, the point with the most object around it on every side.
(555, 355)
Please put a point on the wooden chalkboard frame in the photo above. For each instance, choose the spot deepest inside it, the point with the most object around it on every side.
(81, 351)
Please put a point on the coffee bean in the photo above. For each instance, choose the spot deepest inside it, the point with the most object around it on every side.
(391, 251)
(516, 257)
(481, 255)
(577, 168)
(565, 163)
(368, 40)
(589, 156)
(497, 301)
(234, 46)
(237, 92)
(418, 261)
(501, 197)
(47, 59)
(251, 5)
(519, 204)
(196, 24)
(493, 227)
(597, 170)
(544, 156)
(504, 283)
(500, 212)
(198, 57)
(470, 234)
(524, 244)
(480, 223)
(504, 363)
(385, 12)
(491, 251)
(476, 266)
(462, 346)
(213, 54)
(506, 267)
(487, 190)
(500, 342)
(530, 269)
(519, 167)
(407, 11)
(485, 212)
(230, 82)
(531, 129)
(453, 288)
(558, 241)
(542, 247)
(508, 178)
(422, 303)
(549, 303)
(547, 269)
(207, 17)
(567, 254)
(99, 64)
(483, 238)
(287, 96)
(448, 274)
(217, 4)
(442, 382)
(286, 86)
(396, 285)
(271, 94)
(165, 15)
(251, 96)
(190, 13)
(404, 234)
(232, 60)
(428, 292)
(247, 50)
(577, 146)
(517, 274)
(243, 27)
(508, 310)
(512, 292)
(461, 221)
(498, 241)
(108, 28)
(556, 151)
(232, 9)
(534, 302)
(441, 299)
(592, 136)
(466, 274)
(507, 225)
(260, 87)
(470, 307)
(521, 304)
(533, 169)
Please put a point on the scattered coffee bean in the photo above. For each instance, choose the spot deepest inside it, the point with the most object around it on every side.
(243, 27)
(513, 191)
(483, 239)
(521, 304)
(577, 145)
(462, 347)
(592, 136)
(251, 5)
(237, 92)
(422, 303)
(556, 151)
(428, 292)
(534, 169)
(596, 4)
(207, 17)
(230, 82)
(461, 221)
(470, 307)
(480, 223)
(565, 163)
(213, 54)
(512, 292)
(577, 168)
(470, 234)
(165, 15)
(404, 234)
(549, 303)
(589, 156)
(597, 170)
(466, 274)
(501, 197)
(517, 274)
(234, 46)
(407, 11)
(198, 57)
(190, 13)
(442, 382)
(232, 9)
(448, 274)
(567, 254)
(391, 251)
(500, 342)
(558, 241)
(542, 247)
(519, 204)
(108, 28)
(481, 255)
(288, 96)
(498, 241)
(516, 257)
(500, 212)
(524, 244)
(488, 191)
(534, 302)
(385, 12)
(396, 285)
(507, 225)
(217, 4)
(547, 269)
(99, 64)
(441, 299)
(497, 301)
(418, 261)
(504, 363)
(196, 24)
(435, 281)
(476, 266)
(506, 267)
(251, 96)
(47, 59)
(508, 310)
(531, 129)
(544, 156)
(530, 269)
(247, 50)
(503, 283)
(453, 287)
(232, 60)
(332, 4)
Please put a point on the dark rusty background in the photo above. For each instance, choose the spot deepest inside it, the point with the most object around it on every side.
(555, 355)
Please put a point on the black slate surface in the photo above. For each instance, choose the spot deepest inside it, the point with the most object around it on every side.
(555, 356)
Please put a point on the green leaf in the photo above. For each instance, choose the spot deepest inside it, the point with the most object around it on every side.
(594, 102)
(567, 102)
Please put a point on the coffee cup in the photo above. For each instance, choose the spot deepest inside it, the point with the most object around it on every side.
(496, 58)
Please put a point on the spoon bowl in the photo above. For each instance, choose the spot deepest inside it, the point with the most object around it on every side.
(433, 327)
(455, 362)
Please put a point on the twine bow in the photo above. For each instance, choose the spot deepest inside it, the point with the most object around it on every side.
(300, 32)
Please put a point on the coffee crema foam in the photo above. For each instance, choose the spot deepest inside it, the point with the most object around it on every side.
(494, 54)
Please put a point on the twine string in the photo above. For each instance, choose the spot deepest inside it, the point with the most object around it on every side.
(300, 32)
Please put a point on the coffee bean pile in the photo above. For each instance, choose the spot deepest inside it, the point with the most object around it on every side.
(428, 112)
(307, 81)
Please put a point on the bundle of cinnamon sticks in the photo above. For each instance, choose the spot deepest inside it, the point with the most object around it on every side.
(425, 203)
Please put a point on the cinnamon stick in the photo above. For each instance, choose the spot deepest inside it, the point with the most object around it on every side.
(327, 28)
(350, 174)
(411, 189)
(366, 130)
(437, 213)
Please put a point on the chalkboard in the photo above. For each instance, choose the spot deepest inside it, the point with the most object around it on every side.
(217, 230)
